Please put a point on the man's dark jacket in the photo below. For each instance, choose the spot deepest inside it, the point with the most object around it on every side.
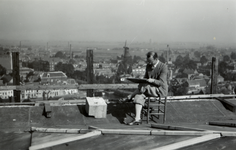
(159, 73)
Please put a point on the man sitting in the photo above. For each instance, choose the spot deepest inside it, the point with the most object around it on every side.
(156, 75)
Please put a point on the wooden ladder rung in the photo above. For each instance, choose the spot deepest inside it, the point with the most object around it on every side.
(145, 110)
(156, 105)
(159, 110)
(157, 113)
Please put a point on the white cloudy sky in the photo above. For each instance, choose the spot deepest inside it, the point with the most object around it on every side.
(119, 20)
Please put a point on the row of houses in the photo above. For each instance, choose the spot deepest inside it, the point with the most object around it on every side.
(47, 78)
(35, 94)
(201, 84)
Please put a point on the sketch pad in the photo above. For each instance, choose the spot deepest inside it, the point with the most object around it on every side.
(137, 80)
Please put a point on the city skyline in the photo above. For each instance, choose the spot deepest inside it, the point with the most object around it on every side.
(211, 21)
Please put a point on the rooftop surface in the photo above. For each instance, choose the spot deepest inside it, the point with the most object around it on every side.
(16, 122)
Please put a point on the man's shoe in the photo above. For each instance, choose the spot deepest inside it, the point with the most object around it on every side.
(135, 122)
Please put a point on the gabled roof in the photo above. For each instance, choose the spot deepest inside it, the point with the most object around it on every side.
(26, 69)
(200, 77)
(6, 78)
(54, 74)
(219, 76)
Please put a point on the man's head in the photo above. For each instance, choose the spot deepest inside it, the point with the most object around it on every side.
(152, 58)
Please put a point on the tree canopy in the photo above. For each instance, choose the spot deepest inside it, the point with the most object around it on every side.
(185, 62)
(223, 67)
(60, 55)
(233, 55)
(203, 59)
(39, 65)
(72, 61)
(136, 59)
(197, 54)
(226, 58)
(66, 68)
(179, 60)
(2, 70)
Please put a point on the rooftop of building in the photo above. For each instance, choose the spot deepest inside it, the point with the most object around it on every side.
(53, 74)
(182, 115)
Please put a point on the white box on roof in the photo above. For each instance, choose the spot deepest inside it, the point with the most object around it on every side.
(96, 106)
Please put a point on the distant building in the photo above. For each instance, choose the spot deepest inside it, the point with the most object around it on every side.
(139, 72)
(126, 53)
(52, 63)
(46, 94)
(198, 64)
(199, 76)
(200, 83)
(5, 94)
(50, 78)
(105, 72)
(220, 79)
(190, 72)
(195, 86)
(53, 77)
